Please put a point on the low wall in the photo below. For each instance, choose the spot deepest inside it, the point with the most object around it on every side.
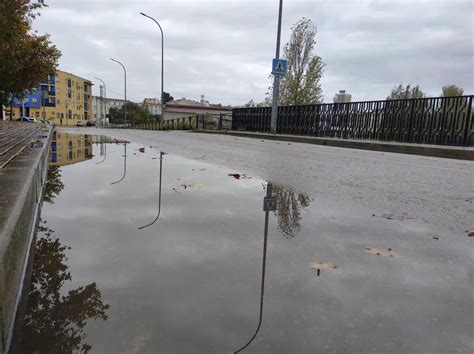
(21, 191)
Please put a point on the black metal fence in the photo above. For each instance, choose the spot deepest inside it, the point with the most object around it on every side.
(440, 120)
(196, 122)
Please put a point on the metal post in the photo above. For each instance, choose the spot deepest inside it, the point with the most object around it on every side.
(44, 106)
(105, 102)
(125, 81)
(276, 78)
(162, 63)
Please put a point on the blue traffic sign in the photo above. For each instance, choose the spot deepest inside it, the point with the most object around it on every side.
(279, 67)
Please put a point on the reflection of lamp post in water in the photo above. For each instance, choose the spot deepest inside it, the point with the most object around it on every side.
(269, 204)
(159, 194)
(124, 164)
(105, 152)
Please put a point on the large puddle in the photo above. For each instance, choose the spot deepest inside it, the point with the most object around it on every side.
(336, 280)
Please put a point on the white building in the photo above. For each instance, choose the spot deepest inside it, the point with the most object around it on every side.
(342, 97)
(152, 105)
(99, 104)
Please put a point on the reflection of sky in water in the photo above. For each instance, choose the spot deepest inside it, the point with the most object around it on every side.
(190, 282)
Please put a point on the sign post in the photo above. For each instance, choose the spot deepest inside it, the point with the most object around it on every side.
(276, 78)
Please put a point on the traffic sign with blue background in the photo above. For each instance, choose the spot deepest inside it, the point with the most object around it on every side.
(279, 67)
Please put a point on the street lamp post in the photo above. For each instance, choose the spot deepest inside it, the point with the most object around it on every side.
(105, 102)
(125, 80)
(162, 62)
(276, 78)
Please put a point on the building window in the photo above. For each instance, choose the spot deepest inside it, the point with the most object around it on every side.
(69, 83)
(69, 94)
(69, 114)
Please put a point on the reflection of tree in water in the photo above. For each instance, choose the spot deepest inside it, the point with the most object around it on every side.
(289, 205)
(54, 323)
(54, 185)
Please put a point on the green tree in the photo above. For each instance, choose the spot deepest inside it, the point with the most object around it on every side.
(55, 319)
(167, 97)
(135, 113)
(301, 85)
(451, 90)
(26, 57)
(401, 92)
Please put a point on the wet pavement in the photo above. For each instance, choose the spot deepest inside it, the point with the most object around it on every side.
(338, 279)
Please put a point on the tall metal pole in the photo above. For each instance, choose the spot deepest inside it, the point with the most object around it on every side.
(44, 106)
(105, 101)
(125, 80)
(276, 78)
(162, 63)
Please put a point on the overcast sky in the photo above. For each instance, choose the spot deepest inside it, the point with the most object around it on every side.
(223, 49)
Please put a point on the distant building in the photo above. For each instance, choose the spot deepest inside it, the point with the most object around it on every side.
(342, 97)
(64, 98)
(188, 108)
(152, 105)
(99, 103)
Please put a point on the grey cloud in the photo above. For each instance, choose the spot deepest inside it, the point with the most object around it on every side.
(223, 49)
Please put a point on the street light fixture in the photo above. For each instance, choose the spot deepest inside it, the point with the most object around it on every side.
(104, 104)
(162, 62)
(125, 80)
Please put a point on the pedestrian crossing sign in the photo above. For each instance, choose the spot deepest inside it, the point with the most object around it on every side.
(279, 67)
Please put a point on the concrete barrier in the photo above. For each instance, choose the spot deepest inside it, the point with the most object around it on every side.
(450, 152)
(21, 189)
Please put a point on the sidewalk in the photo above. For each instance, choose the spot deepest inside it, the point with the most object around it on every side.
(450, 152)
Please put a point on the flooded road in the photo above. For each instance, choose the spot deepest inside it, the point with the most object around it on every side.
(337, 280)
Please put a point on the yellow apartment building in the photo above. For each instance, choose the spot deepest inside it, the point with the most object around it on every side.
(63, 98)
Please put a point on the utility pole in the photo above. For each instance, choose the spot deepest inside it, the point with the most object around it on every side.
(276, 78)
(104, 102)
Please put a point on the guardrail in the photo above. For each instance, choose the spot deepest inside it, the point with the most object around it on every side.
(439, 120)
(197, 122)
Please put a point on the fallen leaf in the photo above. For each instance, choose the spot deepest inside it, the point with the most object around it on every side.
(235, 175)
(401, 217)
(324, 265)
(470, 233)
(196, 186)
(142, 149)
(381, 252)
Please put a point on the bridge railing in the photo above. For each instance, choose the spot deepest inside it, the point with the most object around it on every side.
(196, 122)
(438, 120)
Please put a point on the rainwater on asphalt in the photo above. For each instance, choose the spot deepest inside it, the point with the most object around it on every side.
(338, 279)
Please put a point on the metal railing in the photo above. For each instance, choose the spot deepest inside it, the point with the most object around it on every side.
(197, 122)
(439, 120)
